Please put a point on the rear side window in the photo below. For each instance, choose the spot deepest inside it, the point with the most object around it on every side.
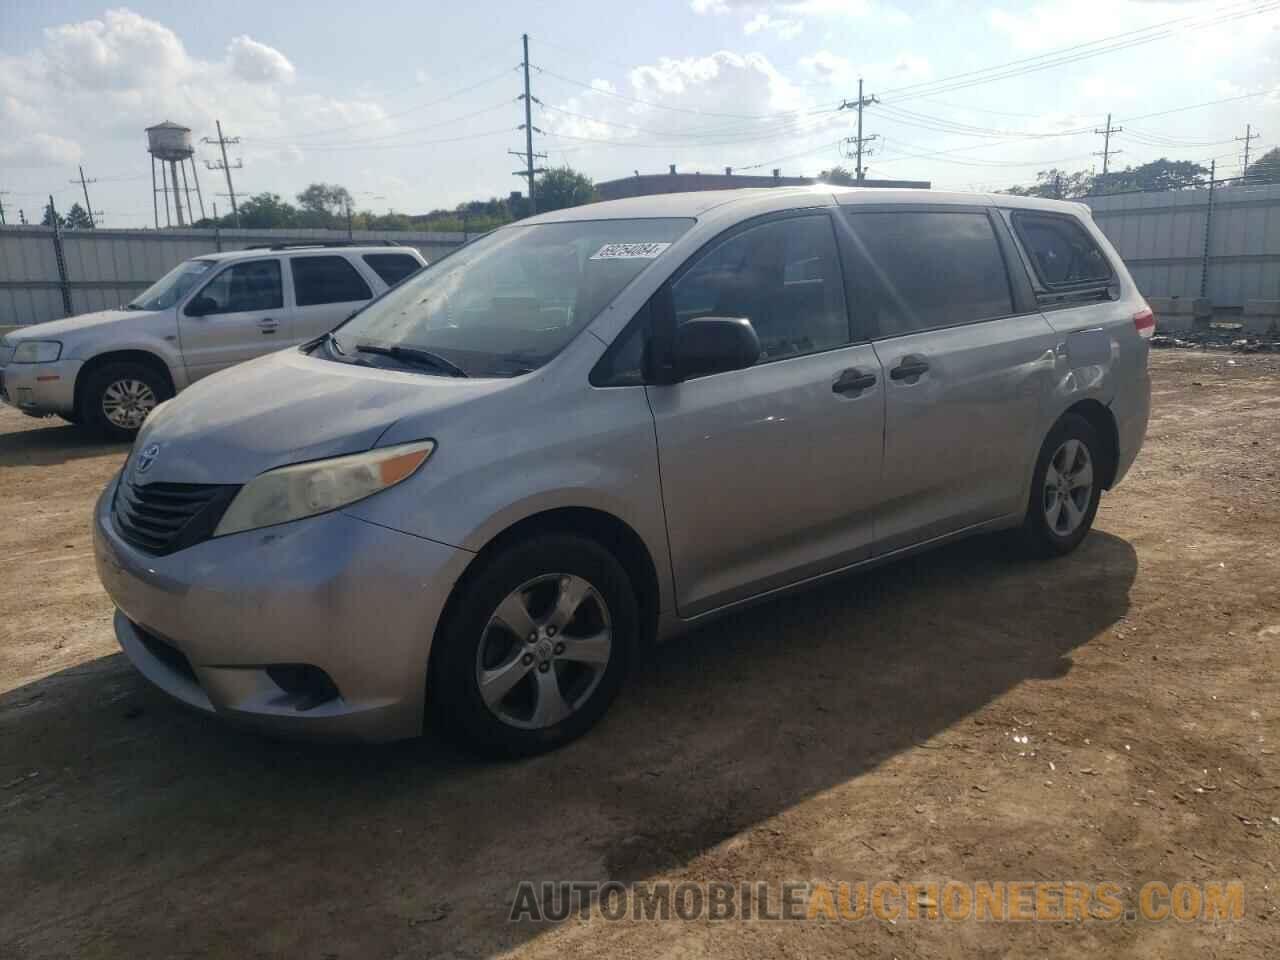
(784, 276)
(318, 280)
(391, 267)
(919, 270)
(1060, 250)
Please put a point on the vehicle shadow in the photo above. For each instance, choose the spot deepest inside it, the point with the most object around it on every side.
(133, 826)
(58, 442)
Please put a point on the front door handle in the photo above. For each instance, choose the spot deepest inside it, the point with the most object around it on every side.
(910, 367)
(853, 381)
(267, 325)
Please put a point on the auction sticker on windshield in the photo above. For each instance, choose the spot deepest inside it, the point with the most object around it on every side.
(629, 251)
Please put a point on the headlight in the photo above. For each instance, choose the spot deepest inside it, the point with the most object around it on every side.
(305, 489)
(37, 351)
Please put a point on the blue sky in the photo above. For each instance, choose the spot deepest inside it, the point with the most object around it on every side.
(412, 105)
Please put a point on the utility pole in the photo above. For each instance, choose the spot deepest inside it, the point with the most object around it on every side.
(529, 100)
(1107, 152)
(1248, 135)
(1208, 230)
(860, 140)
(3, 193)
(22, 216)
(225, 167)
(88, 208)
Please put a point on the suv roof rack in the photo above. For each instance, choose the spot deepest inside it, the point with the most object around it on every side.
(325, 243)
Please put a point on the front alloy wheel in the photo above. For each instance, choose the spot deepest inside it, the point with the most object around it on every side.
(127, 402)
(544, 651)
(535, 646)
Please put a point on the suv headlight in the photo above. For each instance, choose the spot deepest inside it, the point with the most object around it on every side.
(306, 489)
(37, 351)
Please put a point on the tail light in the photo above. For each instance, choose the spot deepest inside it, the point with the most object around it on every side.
(1144, 321)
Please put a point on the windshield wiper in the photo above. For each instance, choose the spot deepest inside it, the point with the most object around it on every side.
(414, 355)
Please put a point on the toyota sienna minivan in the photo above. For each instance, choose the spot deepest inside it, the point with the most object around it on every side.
(482, 496)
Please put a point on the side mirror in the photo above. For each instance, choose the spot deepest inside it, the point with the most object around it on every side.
(201, 307)
(715, 345)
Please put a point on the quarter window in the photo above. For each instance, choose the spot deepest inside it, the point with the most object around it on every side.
(1060, 250)
(245, 287)
(921, 270)
(318, 280)
(392, 267)
(783, 276)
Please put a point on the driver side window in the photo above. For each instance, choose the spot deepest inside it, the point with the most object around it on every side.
(783, 276)
(245, 287)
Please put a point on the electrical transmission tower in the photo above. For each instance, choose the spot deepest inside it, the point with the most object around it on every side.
(859, 142)
(1107, 153)
(1248, 136)
(88, 207)
(226, 167)
(529, 172)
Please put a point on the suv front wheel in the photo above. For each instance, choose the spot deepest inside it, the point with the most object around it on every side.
(117, 397)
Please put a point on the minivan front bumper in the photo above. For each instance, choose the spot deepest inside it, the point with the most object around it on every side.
(214, 624)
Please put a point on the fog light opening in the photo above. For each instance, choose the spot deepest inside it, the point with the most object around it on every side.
(307, 682)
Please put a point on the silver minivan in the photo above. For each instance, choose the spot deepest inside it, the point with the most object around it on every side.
(482, 496)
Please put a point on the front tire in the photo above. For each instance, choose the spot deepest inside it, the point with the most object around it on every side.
(1065, 488)
(536, 647)
(117, 398)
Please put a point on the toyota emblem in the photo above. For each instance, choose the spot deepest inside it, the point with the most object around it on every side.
(147, 457)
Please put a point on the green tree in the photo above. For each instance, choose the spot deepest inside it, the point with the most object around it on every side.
(321, 204)
(840, 176)
(562, 187)
(264, 211)
(1055, 184)
(1162, 174)
(78, 218)
(1266, 169)
(50, 216)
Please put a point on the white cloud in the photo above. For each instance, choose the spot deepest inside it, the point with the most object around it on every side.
(784, 28)
(39, 150)
(258, 63)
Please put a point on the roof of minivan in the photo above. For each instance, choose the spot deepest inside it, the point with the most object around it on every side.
(306, 249)
(699, 202)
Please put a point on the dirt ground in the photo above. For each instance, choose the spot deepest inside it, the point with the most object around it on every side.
(862, 731)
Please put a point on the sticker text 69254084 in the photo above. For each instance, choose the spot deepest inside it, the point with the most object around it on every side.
(629, 251)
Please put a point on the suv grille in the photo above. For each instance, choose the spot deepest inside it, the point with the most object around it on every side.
(161, 518)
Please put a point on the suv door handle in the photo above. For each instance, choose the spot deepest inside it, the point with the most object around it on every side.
(853, 381)
(267, 325)
(910, 367)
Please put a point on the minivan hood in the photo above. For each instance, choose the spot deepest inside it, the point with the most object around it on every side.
(52, 329)
(285, 408)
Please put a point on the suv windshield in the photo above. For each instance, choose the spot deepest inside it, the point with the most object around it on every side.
(172, 287)
(510, 301)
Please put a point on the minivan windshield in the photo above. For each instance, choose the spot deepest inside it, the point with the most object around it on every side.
(508, 302)
(172, 287)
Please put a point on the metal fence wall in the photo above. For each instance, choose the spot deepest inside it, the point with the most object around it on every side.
(105, 268)
(1162, 239)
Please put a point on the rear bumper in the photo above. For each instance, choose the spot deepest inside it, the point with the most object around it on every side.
(40, 389)
(356, 600)
(1132, 410)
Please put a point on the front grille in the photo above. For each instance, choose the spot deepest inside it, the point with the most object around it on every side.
(161, 518)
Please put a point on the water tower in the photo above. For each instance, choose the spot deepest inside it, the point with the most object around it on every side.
(170, 143)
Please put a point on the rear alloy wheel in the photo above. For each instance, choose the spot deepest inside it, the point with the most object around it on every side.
(118, 398)
(535, 647)
(1065, 488)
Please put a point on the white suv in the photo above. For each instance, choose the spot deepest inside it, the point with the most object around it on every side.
(109, 369)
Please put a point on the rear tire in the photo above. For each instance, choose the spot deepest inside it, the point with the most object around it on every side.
(1065, 488)
(117, 397)
(536, 646)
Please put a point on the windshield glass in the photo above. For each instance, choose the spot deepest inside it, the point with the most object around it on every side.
(510, 301)
(172, 287)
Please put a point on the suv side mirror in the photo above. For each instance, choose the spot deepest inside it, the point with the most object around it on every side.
(201, 306)
(715, 345)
